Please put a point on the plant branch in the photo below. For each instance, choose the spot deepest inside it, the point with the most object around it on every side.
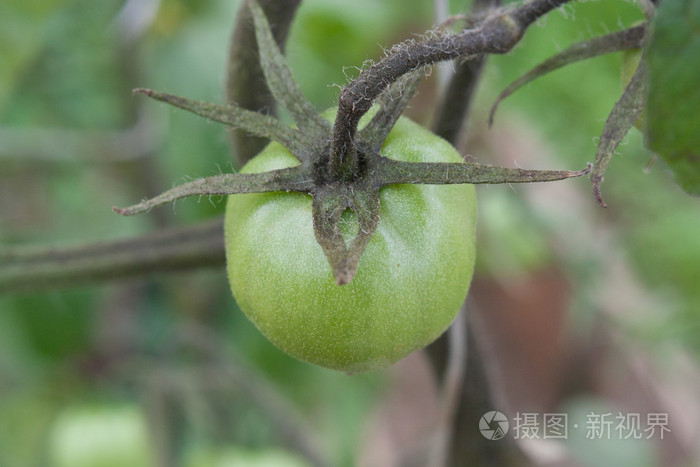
(290, 179)
(245, 83)
(497, 34)
(453, 381)
(454, 105)
(67, 144)
(444, 173)
(615, 42)
(23, 269)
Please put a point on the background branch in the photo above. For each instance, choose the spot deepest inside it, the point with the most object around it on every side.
(451, 115)
(452, 385)
(466, 376)
(245, 82)
(174, 249)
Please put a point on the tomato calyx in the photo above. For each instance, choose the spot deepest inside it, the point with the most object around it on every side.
(339, 172)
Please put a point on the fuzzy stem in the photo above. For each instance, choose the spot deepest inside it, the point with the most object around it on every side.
(496, 34)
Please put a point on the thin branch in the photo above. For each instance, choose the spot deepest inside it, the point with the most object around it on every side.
(293, 178)
(167, 424)
(451, 390)
(442, 173)
(496, 34)
(238, 117)
(69, 144)
(615, 42)
(245, 83)
(29, 269)
(280, 80)
(454, 105)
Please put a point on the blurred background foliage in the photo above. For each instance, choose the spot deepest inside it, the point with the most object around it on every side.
(74, 142)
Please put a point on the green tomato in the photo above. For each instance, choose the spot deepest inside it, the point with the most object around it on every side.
(100, 436)
(410, 283)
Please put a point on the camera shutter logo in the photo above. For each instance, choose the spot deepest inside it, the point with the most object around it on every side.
(493, 425)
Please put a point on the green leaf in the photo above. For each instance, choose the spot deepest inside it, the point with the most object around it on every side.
(620, 40)
(673, 101)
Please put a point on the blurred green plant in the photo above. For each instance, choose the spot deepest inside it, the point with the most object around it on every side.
(60, 70)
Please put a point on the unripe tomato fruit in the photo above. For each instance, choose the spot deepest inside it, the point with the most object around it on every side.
(410, 283)
(100, 436)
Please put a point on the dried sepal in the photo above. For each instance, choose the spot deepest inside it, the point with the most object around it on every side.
(251, 122)
(615, 42)
(621, 119)
(290, 179)
(328, 208)
(448, 173)
(280, 80)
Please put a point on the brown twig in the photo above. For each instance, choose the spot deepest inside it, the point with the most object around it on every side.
(176, 249)
(245, 83)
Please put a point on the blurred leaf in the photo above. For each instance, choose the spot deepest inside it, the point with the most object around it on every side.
(54, 326)
(674, 94)
(18, 49)
(65, 66)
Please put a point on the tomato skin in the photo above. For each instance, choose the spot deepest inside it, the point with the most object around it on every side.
(411, 280)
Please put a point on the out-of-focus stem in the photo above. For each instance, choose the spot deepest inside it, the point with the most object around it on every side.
(175, 249)
(454, 107)
(245, 82)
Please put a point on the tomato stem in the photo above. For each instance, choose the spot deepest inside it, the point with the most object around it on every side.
(496, 34)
